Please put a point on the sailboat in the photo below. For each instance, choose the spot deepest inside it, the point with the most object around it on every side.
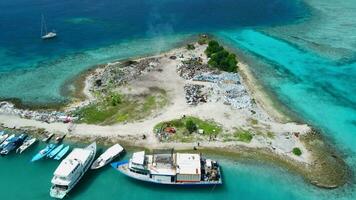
(44, 33)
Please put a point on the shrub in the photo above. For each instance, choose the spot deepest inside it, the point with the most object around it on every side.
(190, 126)
(297, 151)
(220, 58)
(190, 46)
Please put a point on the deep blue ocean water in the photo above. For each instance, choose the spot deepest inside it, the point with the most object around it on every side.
(304, 52)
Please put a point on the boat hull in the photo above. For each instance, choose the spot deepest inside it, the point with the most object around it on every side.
(124, 169)
(60, 194)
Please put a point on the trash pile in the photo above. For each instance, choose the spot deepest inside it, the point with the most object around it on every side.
(44, 116)
(120, 73)
(194, 94)
(228, 86)
(191, 68)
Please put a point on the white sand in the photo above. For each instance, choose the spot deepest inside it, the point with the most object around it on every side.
(169, 80)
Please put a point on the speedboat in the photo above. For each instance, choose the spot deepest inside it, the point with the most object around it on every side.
(71, 170)
(62, 153)
(8, 140)
(55, 151)
(26, 144)
(3, 137)
(109, 155)
(170, 168)
(13, 144)
(44, 152)
(48, 138)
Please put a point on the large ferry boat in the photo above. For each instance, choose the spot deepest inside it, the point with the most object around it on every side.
(167, 167)
(71, 170)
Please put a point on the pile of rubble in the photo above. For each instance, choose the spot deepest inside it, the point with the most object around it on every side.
(228, 86)
(194, 94)
(191, 68)
(44, 116)
(121, 73)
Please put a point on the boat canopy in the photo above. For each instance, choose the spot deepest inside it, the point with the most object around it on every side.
(188, 163)
(138, 158)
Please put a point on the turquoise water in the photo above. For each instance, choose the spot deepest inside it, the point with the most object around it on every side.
(303, 52)
(92, 32)
(242, 180)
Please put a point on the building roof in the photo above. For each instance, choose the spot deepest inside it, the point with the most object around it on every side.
(138, 158)
(188, 163)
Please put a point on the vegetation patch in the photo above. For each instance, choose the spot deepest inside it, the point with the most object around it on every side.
(187, 129)
(296, 151)
(243, 135)
(190, 46)
(118, 108)
(220, 58)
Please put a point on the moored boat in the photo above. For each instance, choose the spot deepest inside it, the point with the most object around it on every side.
(71, 170)
(8, 140)
(62, 153)
(3, 137)
(44, 152)
(44, 33)
(55, 151)
(60, 138)
(13, 144)
(171, 169)
(109, 155)
(29, 141)
(48, 138)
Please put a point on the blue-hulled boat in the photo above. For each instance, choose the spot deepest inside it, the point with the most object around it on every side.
(13, 144)
(8, 140)
(62, 153)
(55, 151)
(44, 152)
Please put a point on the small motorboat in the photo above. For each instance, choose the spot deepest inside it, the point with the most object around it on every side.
(7, 141)
(62, 153)
(3, 137)
(55, 151)
(60, 138)
(44, 152)
(48, 138)
(26, 144)
(13, 144)
(109, 155)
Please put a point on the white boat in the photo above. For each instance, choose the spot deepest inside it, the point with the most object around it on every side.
(27, 143)
(109, 155)
(168, 168)
(3, 137)
(44, 33)
(71, 170)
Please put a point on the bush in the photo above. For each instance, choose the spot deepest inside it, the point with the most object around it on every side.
(190, 126)
(220, 58)
(115, 99)
(297, 151)
(190, 46)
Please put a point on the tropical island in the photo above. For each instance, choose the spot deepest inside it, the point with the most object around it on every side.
(199, 97)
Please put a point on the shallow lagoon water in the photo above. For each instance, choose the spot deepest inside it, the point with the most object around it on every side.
(242, 180)
(314, 77)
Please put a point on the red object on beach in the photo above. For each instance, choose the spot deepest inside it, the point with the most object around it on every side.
(170, 130)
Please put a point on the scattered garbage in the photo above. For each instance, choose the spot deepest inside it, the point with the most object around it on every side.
(194, 94)
(44, 116)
